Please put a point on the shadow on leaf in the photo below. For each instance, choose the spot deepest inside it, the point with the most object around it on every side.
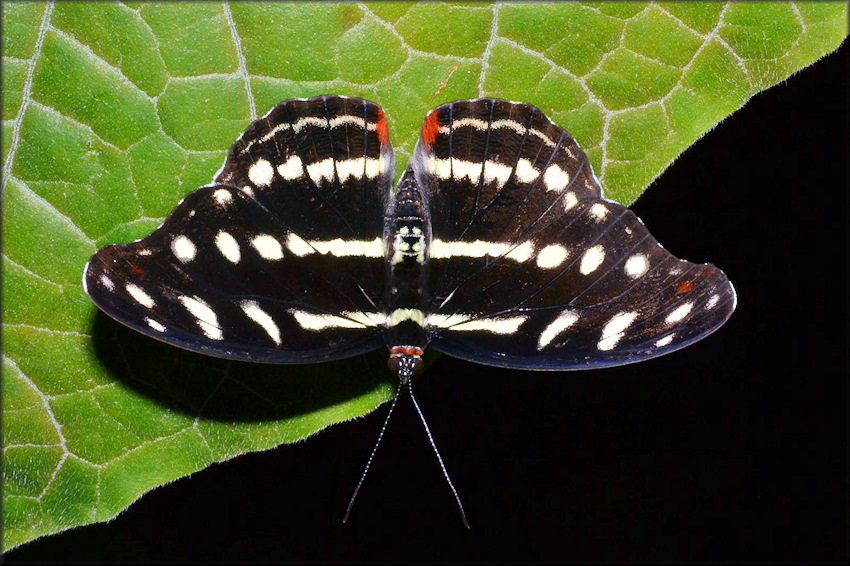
(226, 390)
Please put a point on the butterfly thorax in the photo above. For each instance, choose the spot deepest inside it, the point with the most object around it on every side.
(407, 235)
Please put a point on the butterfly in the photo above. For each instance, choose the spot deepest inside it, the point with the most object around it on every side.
(496, 246)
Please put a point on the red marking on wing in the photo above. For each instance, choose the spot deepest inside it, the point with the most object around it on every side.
(136, 269)
(430, 129)
(381, 128)
(684, 286)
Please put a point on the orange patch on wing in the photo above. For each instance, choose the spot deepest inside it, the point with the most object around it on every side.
(684, 286)
(430, 129)
(381, 128)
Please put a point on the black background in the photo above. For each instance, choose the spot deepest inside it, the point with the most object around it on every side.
(732, 449)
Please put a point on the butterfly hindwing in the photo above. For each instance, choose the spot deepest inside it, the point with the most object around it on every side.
(281, 259)
(531, 267)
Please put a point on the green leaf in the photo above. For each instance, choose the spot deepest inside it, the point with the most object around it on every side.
(113, 112)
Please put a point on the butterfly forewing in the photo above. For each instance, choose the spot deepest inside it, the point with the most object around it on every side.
(530, 266)
(279, 261)
(482, 161)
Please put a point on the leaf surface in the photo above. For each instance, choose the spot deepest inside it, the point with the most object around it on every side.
(113, 112)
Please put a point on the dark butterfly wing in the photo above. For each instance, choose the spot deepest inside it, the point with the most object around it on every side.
(280, 260)
(531, 267)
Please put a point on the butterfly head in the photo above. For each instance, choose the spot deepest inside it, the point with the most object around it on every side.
(406, 361)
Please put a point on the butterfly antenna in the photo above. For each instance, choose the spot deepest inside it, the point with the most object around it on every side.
(437, 452)
(372, 455)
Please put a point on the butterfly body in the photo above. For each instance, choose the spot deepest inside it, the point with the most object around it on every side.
(407, 238)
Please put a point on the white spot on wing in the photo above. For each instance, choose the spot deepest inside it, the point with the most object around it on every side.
(139, 295)
(555, 178)
(599, 211)
(321, 171)
(291, 169)
(267, 247)
(204, 316)
(227, 246)
(510, 124)
(312, 321)
(375, 167)
(261, 317)
(476, 123)
(494, 170)
(336, 247)
(466, 323)
(354, 168)
(301, 123)
(522, 252)
(661, 342)
(481, 248)
(570, 200)
(546, 139)
(613, 330)
(297, 245)
(636, 266)
(592, 259)
(223, 196)
(154, 324)
(678, 314)
(356, 120)
(466, 169)
(442, 168)
(712, 302)
(367, 318)
(525, 172)
(552, 256)
(261, 173)
(183, 248)
(107, 282)
(562, 322)
(481, 126)
(268, 136)
(346, 248)
(446, 320)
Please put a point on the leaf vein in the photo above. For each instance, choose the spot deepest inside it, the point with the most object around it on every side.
(66, 219)
(45, 399)
(26, 96)
(31, 272)
(243, 67)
